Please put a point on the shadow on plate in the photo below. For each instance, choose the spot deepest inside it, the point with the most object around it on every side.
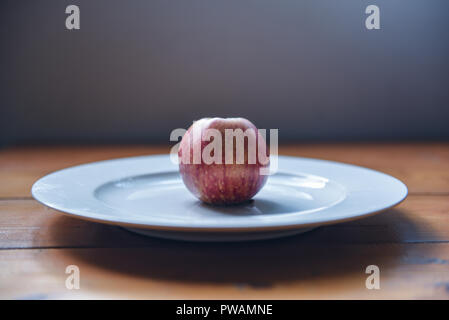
(249, 208)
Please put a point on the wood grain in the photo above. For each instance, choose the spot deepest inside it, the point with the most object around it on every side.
(409, 243)
(274, 270)
(423, 167)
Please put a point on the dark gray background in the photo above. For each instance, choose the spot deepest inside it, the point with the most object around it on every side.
(138, 69)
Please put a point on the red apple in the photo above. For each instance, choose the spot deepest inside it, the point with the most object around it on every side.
(225, 180)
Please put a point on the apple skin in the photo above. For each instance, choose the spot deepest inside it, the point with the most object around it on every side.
(221, 184)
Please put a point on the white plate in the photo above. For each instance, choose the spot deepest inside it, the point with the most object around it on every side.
(146, 195)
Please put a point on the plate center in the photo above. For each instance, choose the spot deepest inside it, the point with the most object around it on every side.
(163, 195)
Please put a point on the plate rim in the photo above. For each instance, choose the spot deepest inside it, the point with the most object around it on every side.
(236, 229)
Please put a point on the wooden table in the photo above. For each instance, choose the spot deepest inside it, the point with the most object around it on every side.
(410, 243)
